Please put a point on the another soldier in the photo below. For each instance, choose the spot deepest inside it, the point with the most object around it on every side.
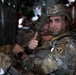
(41, 29)
(7, 64)
(60, 55)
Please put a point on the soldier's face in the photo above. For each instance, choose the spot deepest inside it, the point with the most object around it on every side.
(57, 25)
(44, 29)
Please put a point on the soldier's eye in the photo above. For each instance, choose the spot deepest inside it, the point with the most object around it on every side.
(57, 20)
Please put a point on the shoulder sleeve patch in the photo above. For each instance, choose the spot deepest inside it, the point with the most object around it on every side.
(59, 49)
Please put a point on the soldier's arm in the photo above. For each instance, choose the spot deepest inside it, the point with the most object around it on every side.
(38, 65)
(51, 63)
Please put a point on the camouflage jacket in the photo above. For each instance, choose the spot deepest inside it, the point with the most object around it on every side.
(58, 58)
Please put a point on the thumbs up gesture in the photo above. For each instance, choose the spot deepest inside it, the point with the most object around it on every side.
(33, 43)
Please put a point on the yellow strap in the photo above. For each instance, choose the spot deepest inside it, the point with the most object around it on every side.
(58, 37)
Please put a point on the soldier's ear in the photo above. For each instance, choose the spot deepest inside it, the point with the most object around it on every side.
(67, 22)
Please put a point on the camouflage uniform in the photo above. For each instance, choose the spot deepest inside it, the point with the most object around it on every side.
(58, 56)
(24, 36)
(8, 64)
(7, 61)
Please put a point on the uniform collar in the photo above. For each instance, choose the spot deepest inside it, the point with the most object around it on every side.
(60, 36)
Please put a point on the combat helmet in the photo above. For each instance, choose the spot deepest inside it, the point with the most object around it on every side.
(61, 10)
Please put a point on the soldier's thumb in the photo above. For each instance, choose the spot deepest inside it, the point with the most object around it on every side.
(35, 36)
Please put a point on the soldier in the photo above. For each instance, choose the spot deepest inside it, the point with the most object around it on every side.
(41, 27)
(60, 55)
(7, 65)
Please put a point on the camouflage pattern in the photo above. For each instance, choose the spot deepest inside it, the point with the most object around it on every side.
(21, 71)
(60, 59)
(5, 61)
(23, 37)
(6, 49)
(59, 9)
(41, 23)
(9, 64)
